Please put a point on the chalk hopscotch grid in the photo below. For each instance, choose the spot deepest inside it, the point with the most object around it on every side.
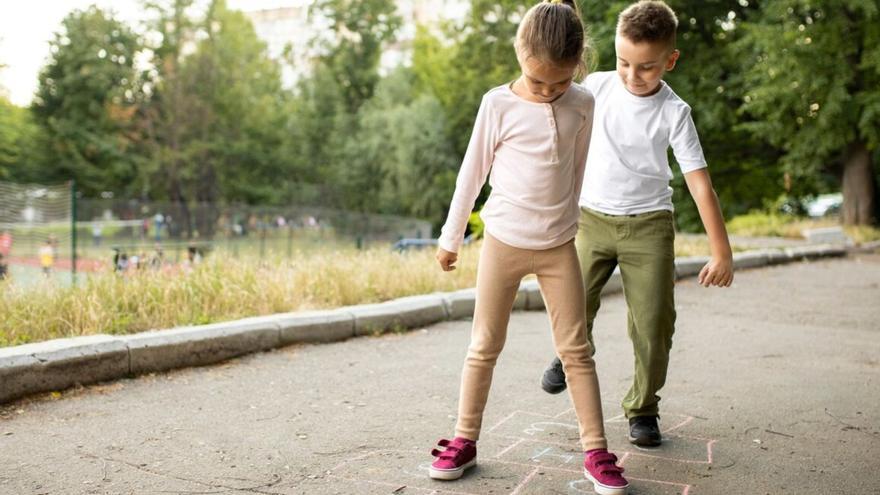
(617, 419)
(534, 470)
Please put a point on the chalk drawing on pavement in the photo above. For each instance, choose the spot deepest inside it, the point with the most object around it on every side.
(536, 453)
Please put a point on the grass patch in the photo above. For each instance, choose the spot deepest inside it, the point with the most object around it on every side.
(861, 234)
(222, 289)
(692, 245)
(225, 288)
(758, 224)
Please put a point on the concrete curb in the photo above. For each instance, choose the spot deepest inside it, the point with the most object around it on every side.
(815, 252)
(750, 259)
(197, 346)
(315, 326)
(460, 304)
(689, 266)
(398, 314)
(868, 247)
(63, 363)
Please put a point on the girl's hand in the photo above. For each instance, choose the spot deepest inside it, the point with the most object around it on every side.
(717, 272)
(446, 259)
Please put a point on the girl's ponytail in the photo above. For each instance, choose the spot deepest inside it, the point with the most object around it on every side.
(553, 33)
(571, 3)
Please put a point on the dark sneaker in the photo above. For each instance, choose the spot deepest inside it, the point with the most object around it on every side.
(459, 455)
(553, 380)
(644, 432)
(600, 467)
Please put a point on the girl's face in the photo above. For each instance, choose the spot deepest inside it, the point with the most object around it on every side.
(543, 82)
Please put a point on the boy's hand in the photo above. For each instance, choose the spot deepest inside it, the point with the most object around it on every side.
(717, 272)
(446, 259)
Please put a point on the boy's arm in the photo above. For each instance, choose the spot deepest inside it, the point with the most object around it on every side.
(719, 270)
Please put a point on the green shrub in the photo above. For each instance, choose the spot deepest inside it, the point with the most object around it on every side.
(763, 224)
(476, 225)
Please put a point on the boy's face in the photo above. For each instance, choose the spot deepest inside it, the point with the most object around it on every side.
(642, 65)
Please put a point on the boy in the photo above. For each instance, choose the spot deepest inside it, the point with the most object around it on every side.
(626, 203)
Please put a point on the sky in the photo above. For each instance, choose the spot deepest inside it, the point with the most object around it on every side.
(27, 26)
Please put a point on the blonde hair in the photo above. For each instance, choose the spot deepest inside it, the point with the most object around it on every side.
(553, 33)
(648, 20)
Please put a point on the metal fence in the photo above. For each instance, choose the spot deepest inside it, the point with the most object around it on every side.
(46, 232)
(182, 231)
(36, 231)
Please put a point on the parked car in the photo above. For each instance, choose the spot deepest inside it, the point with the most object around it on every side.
(409, 243)
(824, 205)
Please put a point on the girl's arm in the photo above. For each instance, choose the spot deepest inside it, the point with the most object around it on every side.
(474, 169)
(719, 270)
(581, 148)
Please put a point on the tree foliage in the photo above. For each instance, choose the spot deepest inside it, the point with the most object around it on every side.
(85, 102)
(214, 120)
(402, 143)
(236, 134)
(812, 73)
(21, 144)
(361, 29)
(329, 103)
(784, 95)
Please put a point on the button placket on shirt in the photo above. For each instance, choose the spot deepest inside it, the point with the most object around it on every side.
(551, 120)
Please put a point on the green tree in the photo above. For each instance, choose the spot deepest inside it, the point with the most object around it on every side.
(86, 101)
(168, 110)
(813, 75)
(233, 143)
(215, 117)
(20, 144)
(360, 30)
(318, 123)
(402, 141)
(344, 78)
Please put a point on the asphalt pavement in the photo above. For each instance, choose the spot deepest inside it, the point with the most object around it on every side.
(774, 388)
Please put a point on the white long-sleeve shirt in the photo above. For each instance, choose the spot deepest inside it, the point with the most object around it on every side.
(628, 170)
(534, 155)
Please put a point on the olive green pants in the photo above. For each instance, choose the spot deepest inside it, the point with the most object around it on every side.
(643, 246)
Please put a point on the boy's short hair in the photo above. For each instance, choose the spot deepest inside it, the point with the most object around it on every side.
(649, 21)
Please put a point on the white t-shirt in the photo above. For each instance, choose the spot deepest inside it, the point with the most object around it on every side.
(536, 153)
(627, 169)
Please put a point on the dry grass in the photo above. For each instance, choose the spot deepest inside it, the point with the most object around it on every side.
(223, 288)
(690, 245)
(767, 225)
(776, 225)
(861, 234)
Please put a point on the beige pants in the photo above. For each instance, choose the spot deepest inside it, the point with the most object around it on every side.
(501, 269)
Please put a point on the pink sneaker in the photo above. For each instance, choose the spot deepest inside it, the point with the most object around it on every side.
(451, 463)
(600, 467)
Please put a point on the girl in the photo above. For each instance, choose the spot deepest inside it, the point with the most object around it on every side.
(533, 134)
